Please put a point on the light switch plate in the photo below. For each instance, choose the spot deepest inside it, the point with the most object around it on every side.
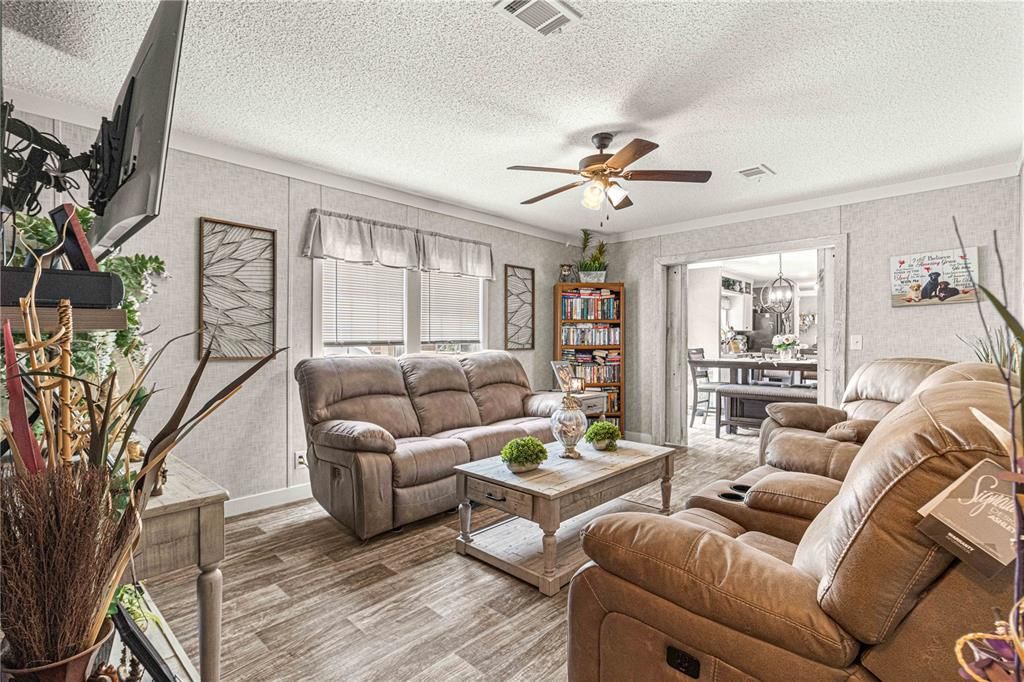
(856, 342)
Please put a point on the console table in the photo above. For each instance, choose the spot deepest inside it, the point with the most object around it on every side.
(185, 527)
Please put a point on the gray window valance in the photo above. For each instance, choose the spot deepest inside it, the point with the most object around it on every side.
(360, 240)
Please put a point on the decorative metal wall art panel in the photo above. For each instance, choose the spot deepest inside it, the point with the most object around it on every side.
(236, 289)
(519, 306)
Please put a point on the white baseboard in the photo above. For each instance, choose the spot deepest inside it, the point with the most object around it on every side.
(271, 498)
(639, 437)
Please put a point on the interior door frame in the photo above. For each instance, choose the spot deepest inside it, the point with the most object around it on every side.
(670, 395)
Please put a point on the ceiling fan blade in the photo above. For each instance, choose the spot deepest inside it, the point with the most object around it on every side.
(630, 153)
(553, 192)
(625, 203)
(543, 169)
(668, 175)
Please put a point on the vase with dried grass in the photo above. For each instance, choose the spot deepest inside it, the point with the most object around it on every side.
(70, 503)
(997, 656)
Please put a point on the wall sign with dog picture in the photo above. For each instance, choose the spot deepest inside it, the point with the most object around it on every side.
(933, 278)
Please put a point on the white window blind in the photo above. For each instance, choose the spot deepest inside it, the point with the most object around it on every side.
(449, 308)
(363, 305)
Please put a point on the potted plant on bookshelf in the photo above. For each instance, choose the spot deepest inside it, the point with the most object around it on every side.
(523, 454)
(603, 435)
(593, 266)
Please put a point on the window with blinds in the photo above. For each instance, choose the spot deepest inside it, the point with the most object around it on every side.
(363, 305)
(449, 310)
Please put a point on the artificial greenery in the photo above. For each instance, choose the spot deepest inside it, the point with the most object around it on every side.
(597, 260)
(999, 348)
(524, 451)
(603, 430)
(92, 353)
(130, 597)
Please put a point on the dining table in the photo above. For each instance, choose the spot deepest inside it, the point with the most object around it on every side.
(750, 412)
(740, 368)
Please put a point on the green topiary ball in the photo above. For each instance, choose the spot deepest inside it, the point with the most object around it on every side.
(524, 451)
(603, 431)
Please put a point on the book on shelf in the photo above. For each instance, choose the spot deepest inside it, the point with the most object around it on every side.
(590, 304)
(590, 334)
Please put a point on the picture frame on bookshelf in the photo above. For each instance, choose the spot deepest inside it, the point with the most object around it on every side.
(519, 307)
(563, 374)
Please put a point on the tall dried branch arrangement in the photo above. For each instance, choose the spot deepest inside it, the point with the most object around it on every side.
(997, 655)
(70, 503)
(58, 539)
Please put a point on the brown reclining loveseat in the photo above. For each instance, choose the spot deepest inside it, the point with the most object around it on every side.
(742, 594)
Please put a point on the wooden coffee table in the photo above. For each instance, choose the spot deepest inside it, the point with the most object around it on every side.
(560, 497)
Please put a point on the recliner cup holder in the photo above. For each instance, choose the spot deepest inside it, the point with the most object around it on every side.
(740, 488)
(732, 497)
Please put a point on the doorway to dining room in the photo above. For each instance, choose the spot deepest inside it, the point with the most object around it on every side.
(748, 328)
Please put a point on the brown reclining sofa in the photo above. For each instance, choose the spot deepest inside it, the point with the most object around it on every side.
(383, 433)
(801, 576)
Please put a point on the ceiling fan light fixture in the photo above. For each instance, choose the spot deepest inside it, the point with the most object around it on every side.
(593, 195)
(616, 194)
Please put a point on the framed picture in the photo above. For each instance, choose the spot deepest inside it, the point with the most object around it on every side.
(519, 306)
(563, 374)
(934, 278)
(237, 279)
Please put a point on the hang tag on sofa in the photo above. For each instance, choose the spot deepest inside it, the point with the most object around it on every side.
(973, 518)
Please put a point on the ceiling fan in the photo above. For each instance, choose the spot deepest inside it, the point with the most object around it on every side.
(601, 173)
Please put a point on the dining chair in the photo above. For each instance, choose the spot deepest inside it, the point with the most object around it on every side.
(702, 386)
(773, 377)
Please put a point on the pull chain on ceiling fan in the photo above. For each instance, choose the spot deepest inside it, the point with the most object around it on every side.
(601, 174)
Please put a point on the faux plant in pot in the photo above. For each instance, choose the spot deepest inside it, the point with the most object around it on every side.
(593, 267)
(70, 503)
(603, 435)
(523, 454)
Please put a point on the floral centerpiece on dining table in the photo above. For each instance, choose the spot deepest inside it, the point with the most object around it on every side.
(786, 345)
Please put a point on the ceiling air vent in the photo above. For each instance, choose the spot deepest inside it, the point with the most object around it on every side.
(756, 172)
(543, 16)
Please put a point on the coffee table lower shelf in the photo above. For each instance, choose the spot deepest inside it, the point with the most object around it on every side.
(514, 546)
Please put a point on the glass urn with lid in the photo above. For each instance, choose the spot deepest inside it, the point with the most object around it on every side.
(569, 422)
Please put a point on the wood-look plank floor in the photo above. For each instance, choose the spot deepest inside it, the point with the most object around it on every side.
(304, 599)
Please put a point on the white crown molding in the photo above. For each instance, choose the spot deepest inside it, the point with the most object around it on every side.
(970, 177)
(69, 113)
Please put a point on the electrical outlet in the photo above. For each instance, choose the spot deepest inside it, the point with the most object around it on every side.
(856, 342)
(300, 460)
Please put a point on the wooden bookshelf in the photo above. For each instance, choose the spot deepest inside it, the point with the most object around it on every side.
(594, 327)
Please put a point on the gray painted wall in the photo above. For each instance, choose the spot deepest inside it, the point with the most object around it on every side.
(876, 230)
(247, 445)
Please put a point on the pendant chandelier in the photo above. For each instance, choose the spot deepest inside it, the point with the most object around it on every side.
(777, 297)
